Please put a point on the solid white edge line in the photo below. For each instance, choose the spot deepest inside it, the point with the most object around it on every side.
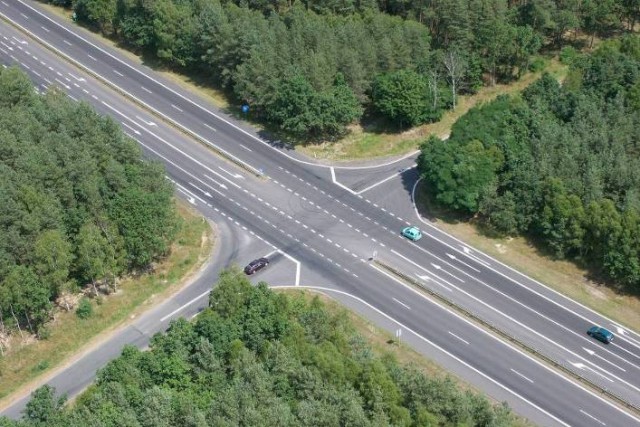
(162, 319)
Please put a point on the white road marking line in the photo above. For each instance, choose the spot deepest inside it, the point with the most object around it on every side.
(66, 42)
(92, 57)
(592, 417)
(402, 304)
(456, 336)
(145, 89)
(519, 374)
(176, 107)
(184, 306)
(118, 73)
(210, 127)
(44, 28)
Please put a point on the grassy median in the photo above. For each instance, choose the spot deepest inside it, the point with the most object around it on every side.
(28, 360)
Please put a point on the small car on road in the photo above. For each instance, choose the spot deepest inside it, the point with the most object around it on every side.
(412, 233)
(601, 334)
(256, 265)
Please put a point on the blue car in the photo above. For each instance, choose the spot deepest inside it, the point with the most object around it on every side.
(601, 334)
(412, 233)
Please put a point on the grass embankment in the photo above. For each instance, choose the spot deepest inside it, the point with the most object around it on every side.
(26, 362)
(382, 342)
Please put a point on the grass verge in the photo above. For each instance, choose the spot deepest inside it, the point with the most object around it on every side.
(367, 142)
(24, 363)
(382, 342)
(563, 276)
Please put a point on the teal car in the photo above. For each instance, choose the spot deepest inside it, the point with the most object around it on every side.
(412, 233)
(601, 334)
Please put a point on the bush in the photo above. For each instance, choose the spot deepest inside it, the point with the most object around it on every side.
(85, 309)
(537, 64)
(568, 54)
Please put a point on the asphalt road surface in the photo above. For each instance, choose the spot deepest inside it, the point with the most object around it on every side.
(321, 225)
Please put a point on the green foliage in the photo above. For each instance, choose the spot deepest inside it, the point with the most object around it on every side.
(403, 97)
(78, 205)
(566, 163)
(85, 309)
(255, 357)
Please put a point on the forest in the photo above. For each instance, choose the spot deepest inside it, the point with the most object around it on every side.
(255, 357)
(79, 206)
(559, 163)
(310, 69)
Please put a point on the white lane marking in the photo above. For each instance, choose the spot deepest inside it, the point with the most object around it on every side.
(439, 268)
(592, 417)
(205, 192)
(583, 367)
(63, 84)
(467, 252)
(137, 132)
(67, 42)
(72, 97)
(148, 123)
(519, 374)
(455, 336)
(176, 107)
(24, 16)
(453, 257)
(80, 79)
(182, 307)
(145, 89)
(296, 262)
(44, 28)
(210, 127)
(118, 73)
(92, 57)
(235, 175)
(402, 304)
(218, 183)
(374, 185)
(593, 353)
(429, 279)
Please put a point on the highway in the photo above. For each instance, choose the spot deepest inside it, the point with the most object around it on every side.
(322, 224)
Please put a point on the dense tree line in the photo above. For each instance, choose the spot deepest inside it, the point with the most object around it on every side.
(258, 358)
(561, 163)
(77, 204)
(312, 68)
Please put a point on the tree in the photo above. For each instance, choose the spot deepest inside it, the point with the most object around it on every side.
(401, 96)
(456, 67)
(53, 259)
(95, 255)
(44, 407)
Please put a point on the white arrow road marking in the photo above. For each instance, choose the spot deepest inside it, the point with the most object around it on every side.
(219, 183)
(189, 198)
(20, 41)
(468, 253)
(583, 367)
(455, 336)
(131, 128)
(592, 417)
(437, 267)
(453, 257)
(148, 123)
(206, 193)
(80, 79)
(429, 279)
(593, 353)
(235, 175)
(519, 374)
(402, 304)
(7, 46)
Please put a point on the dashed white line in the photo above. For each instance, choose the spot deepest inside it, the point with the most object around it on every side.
(402, 304)
(520, 375)
(592, 417)
(455, 336)
(145, 89)
(67, 42)
(176, 107)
